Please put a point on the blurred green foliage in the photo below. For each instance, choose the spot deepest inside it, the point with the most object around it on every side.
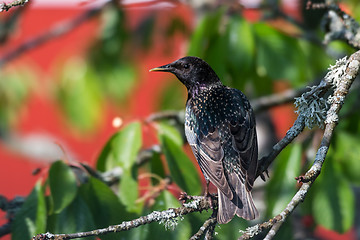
(251, 56)
(15, 86)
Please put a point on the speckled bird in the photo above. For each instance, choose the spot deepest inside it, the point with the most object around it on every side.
(220, 128)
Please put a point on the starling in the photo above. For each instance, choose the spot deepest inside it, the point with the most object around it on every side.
(220, 128)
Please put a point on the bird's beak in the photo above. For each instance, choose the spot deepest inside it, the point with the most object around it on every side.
(165, 68)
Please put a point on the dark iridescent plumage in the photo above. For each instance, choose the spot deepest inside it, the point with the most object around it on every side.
(220, 128)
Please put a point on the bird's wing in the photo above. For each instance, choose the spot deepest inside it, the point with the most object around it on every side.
(209, 154)
(244, 141)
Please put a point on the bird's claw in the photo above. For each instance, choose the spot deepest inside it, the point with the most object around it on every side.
(262, 175)
(210, 197)
(184, 197)
(301, 179)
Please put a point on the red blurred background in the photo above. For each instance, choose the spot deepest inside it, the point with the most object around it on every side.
(41, 114)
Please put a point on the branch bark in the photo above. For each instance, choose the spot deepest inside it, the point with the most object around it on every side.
(4, 7)
(197, 204)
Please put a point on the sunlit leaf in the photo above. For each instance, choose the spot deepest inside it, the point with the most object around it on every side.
(14, 90)
(31, 219)
(129, 192)
(206, 31)
(170, 132)
(122, 148)
(79, 95)
(117, 82)
(165, 201)
(181, 168)
(62, 182)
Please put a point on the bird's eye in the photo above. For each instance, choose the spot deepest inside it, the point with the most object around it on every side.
(186, 66)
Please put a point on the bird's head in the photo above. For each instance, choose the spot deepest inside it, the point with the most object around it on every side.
(191, 71)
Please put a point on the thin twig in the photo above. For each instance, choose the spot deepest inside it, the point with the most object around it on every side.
(210, 232)
(54, 32)
(258, 105)
(340, 25)
(292, 133)
(199, 204)
(5, 229)
(204, 228)
(267, 102)
(4, 7)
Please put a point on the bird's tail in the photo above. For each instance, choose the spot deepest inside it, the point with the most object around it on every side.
(242, 205)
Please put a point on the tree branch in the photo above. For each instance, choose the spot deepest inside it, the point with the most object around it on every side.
(206, 227)
(197, 204)
(342, 84)
(4, 7)
(293, 132)
(54, 32)
(340, 25)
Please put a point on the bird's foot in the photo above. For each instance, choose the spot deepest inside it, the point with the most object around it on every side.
(302, 179)
(210, 197)
(184, 197)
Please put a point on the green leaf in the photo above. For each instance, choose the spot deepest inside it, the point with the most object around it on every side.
(14, 91)
(209, 41)
(31, 219)
(74, 218)
(118, 82)
(105, 207)
(333, 202)
(62, 182)
(79, 95)
(241, 50)
(129, 192)
(170, 132)
(165, 201)
(275, 56)
(347, 153)
(156, 167)
(181, 168)
(282, 185)
(206, 31)
(122, 148)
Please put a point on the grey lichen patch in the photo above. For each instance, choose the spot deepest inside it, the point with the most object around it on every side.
(251, 231)
(171, 223)
(313, 108)
(336, 72)
(193, 204)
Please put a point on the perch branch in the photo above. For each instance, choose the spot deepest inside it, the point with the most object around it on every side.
(198, 204)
